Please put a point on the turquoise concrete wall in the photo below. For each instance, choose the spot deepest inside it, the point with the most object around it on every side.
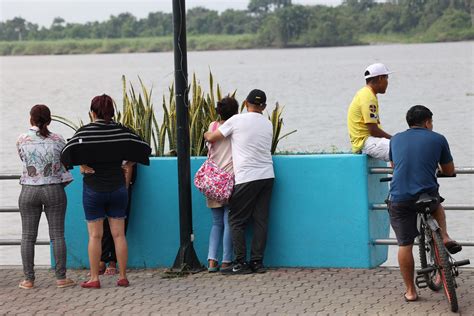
(320, 215)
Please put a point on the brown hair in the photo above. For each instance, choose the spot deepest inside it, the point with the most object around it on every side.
(227, 107)
(40, 116)
(103, 107)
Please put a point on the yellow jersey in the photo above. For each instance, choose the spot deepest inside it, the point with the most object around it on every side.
(363, 109)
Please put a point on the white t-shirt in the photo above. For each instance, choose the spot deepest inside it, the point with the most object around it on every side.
(251, 136)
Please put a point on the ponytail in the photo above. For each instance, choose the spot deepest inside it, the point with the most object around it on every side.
(40, 116)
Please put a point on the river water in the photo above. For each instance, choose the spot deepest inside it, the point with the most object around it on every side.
(315, 85)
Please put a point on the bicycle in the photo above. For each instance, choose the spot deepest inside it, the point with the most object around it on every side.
(438, 268)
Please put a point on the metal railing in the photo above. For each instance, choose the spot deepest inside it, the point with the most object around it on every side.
(450, 207)
(375, 207)
(9, 176)
(388, 170)
(14, 209)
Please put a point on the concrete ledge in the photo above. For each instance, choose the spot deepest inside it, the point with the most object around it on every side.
(320, 215)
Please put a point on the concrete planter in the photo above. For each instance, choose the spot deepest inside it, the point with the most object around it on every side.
(320, 215)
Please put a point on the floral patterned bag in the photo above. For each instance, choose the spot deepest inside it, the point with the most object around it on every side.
(212, 181)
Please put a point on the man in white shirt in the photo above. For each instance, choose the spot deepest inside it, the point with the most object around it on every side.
(251, 137)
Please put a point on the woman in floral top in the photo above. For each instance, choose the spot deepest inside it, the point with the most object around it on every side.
(43, 181)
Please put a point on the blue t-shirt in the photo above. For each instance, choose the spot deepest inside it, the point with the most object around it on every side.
(416, 153)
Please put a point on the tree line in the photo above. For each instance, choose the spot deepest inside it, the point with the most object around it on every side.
(276, 23)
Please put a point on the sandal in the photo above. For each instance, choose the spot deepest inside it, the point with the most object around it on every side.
(110, 271)
(101, 269)
(213, 266)
(410, 300)
(65, 283)
(26, 285)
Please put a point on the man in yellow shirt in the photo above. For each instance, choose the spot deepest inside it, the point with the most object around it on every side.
(363, 121)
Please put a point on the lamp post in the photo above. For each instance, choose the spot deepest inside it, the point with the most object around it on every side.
(186, 259)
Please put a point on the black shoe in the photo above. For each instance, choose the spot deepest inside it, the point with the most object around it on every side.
(226, 270)
(241, 268)
(257, 267)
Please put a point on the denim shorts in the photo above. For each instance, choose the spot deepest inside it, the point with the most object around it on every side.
(99, 205)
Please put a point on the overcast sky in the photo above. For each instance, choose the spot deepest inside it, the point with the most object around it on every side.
(43, 12)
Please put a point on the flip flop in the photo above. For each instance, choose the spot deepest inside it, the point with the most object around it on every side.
(26, 285)
(410, 300)
(453, 247)
(65, 283)
(110, 271)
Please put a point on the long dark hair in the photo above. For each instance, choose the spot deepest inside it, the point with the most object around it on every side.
(227, 107)
(40, 116)
(103, 107)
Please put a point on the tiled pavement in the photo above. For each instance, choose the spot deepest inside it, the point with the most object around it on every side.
(277, 292)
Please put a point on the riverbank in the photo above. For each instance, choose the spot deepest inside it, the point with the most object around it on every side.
(198, 43)
(125, 45)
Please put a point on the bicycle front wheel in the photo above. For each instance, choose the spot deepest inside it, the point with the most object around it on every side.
(447, 276)
(427, 259)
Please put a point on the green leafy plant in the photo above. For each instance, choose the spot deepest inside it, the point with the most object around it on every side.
(277, 123)
(137, 113)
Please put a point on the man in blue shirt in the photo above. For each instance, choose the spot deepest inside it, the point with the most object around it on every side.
(416, 154)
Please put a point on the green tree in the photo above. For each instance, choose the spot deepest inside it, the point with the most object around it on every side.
(285, 25)
(157, 24)
(359, 5)
(15, 29)
(202, 21)
(236, 22)
(262, 7)
(329, 27)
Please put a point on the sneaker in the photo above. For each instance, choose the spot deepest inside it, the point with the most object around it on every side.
(241, 268)
(257, 267)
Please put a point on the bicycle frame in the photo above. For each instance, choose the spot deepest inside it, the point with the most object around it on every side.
(441, 270)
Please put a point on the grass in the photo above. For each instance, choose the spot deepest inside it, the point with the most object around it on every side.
(201, 43)
(125, 45)
(425, 37)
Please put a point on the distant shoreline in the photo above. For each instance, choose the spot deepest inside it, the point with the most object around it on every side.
(194, 43)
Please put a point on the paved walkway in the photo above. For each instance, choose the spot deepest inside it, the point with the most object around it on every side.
(277, 292)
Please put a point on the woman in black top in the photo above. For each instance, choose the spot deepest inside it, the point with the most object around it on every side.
(101, 148)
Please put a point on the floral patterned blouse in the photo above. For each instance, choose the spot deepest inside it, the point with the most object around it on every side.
(41, 158)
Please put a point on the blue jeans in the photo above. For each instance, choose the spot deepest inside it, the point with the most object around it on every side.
(220, 229)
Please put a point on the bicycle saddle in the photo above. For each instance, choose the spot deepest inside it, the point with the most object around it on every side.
(425, 200)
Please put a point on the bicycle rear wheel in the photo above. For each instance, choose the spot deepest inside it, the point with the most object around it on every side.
(427, 259)
(447, 276)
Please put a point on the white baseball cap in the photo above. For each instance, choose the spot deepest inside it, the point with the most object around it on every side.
(375, 70)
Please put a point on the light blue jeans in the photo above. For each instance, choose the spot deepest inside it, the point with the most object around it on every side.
(220, 230)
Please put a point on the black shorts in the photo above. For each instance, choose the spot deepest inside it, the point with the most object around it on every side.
(403, 219)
